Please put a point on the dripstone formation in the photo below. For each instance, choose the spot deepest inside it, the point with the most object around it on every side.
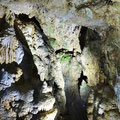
(59, 60)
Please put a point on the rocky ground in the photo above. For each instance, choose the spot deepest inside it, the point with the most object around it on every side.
(59, 60)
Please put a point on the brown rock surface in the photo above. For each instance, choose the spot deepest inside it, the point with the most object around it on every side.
(59, 60)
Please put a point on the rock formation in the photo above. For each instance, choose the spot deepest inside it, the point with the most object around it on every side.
(59, 60)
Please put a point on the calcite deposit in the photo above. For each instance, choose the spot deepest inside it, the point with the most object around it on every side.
(59, 60)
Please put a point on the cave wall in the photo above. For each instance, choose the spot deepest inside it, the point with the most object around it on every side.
(59, 60)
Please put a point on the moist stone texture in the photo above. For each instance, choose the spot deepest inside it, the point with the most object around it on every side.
(59, 60)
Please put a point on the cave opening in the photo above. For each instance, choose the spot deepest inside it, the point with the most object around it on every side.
(87, 36)
(76, 106)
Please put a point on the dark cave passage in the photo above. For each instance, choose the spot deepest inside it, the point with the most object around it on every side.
(82, 37)
(87, 36)
(76, 108)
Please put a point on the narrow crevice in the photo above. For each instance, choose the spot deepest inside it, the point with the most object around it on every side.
(55, 88)
(36, 96)
(82, 77)
(62, 50)
(82, 37)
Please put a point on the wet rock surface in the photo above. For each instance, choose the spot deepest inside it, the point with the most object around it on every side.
(59, 60)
